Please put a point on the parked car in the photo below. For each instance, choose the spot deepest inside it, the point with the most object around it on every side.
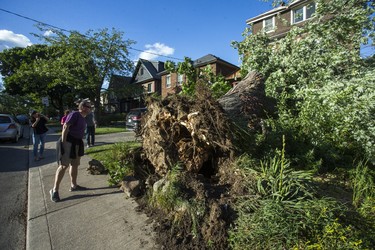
(133, 118)
(10, 128)
(23, 119)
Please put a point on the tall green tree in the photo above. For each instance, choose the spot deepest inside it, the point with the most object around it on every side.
(39, 70)
(101, 54)
(315, 61)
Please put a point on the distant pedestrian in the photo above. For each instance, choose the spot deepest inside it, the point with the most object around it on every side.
(38, 123)
(72, 148)
(90, 129)
(63, 119)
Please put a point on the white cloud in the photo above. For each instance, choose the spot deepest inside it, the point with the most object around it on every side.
(48, 33)
(155, 50)
(8, 39)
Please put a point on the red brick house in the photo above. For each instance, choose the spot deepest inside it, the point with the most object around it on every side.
(156, 80)
(277, 22)
(171, 82)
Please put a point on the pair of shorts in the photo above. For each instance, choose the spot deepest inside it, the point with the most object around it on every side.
(65, 158)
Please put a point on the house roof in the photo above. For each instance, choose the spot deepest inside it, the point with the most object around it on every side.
(205, 60)
(153, 68)
(209, 58)
(117, 81)
(272, 12)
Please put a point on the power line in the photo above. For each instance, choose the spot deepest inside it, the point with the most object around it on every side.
(65, 30)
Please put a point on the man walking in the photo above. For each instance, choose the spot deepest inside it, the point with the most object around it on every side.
(72, 148)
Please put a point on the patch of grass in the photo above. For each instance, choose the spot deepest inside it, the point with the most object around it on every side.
(98, 130)
(109, 130)
(167, 195)
(116, 159)
(281, 211)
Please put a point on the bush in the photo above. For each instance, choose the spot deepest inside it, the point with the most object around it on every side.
(111, 119)
(116, 158)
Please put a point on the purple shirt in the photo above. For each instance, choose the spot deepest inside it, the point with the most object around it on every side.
(77, 124)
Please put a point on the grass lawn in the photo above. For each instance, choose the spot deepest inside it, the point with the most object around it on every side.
(109, 130)
(98, 130)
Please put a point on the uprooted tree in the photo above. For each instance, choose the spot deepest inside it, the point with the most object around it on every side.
(197, 139)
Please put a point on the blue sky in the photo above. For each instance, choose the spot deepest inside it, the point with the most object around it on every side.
(175, 28)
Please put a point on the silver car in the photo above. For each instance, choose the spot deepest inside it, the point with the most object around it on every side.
(10, 128)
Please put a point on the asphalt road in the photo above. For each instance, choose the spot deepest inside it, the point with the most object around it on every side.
(14, 164)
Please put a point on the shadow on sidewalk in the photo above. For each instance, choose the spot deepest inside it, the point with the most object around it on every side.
(81, 196)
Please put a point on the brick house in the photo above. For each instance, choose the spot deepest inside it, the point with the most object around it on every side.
(171, 82)
(277, 22)
(145, 75)
(156, 80)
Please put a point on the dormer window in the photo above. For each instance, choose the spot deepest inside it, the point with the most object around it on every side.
(269, 24)
(303, 13)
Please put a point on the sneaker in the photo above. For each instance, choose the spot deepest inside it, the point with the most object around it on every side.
(77, 188)
(54, 196)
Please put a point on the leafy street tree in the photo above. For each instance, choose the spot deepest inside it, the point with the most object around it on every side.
(66, 67)
(217, 83)
(325, 94)
(100, 54)
(13, 104)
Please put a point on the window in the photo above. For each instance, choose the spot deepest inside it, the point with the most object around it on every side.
(303, 13)
(269, 24)
(168, 82)
(180, 79)
(310, 10)
(149, 87)
(141, 71)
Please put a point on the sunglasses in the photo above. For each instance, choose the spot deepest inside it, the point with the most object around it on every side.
(86, 106)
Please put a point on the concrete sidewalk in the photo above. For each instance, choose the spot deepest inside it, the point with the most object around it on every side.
(98, 218)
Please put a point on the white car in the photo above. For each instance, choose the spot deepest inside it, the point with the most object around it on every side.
(10, 128)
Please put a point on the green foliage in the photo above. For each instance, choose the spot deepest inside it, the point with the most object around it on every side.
(116, 159)
(341, 114)
(280, 224)
(281, 211)
(109, 130)
(363, 184)
(13, 104)
(324, 89)
(275, 179)
(109, 119)
(67, 67)
(168, 196)
(217, 83)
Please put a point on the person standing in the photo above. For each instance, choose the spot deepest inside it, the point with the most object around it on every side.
(72, 148)
(63, 119)
(38, 123)
(90, 129)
